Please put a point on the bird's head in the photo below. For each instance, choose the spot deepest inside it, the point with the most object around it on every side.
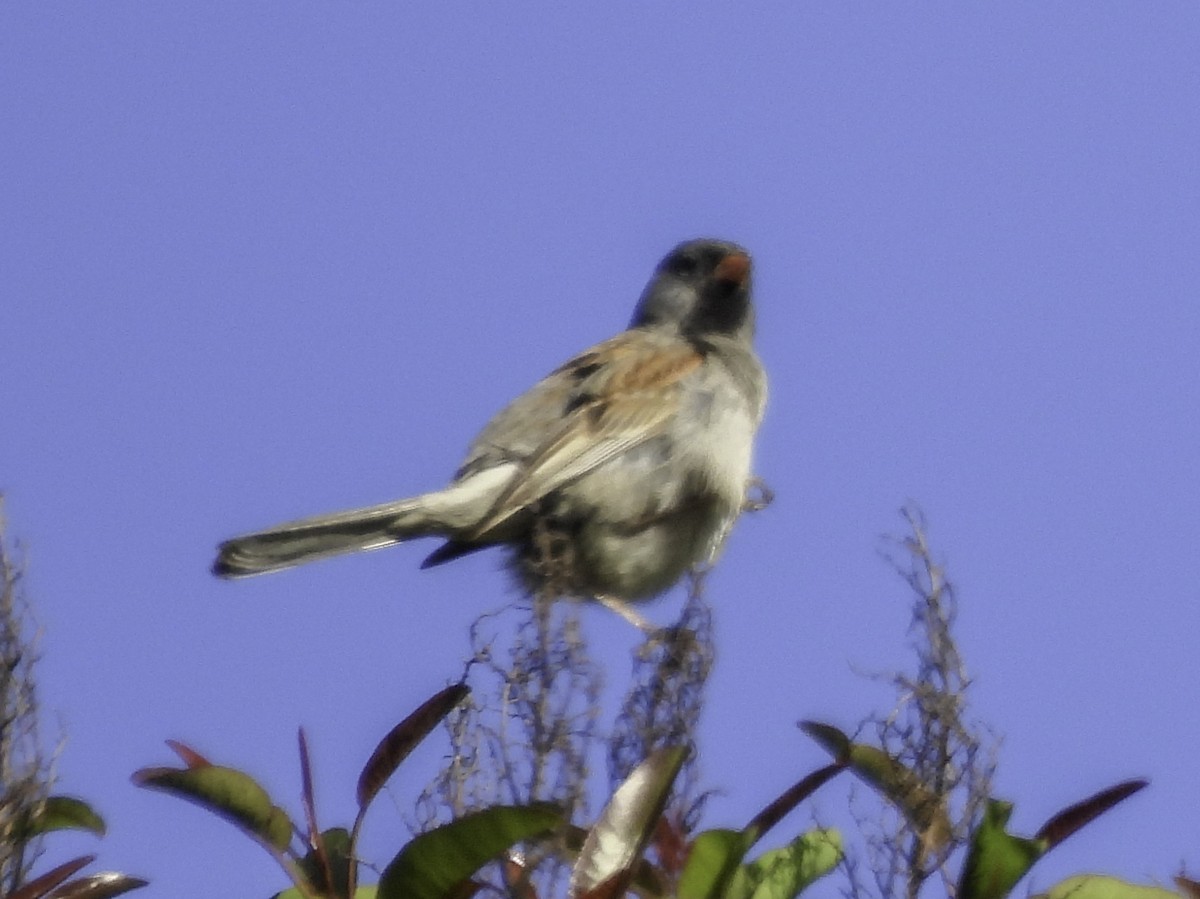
(701, 288)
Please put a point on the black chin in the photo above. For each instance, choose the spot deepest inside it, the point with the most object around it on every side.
(722, 310)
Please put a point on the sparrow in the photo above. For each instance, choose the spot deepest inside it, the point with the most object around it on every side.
(612, 477)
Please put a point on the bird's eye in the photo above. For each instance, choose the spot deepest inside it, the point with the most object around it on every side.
(682, 265)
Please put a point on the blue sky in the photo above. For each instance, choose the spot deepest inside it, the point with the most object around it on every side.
(264, 260)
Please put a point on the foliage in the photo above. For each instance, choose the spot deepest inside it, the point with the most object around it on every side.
(929, 766)
(324, 863)
(932, 771)
(28, 810)
(518, 778)
(440, 863)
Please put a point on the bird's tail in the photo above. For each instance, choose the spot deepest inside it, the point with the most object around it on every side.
(323, 536)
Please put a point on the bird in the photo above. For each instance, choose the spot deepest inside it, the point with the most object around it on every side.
(612, 477)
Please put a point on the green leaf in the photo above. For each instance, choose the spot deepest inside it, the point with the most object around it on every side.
(62, 813)
(232, 794)
(330, 863)
(1097, 886)
(996, 859)
(616, 841)
(835, 742)
(898, 783)
(786, 872)
(434, 863)
(403, 738)
(712, 863)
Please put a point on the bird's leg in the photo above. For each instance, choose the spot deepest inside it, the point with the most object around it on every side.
(623, 609)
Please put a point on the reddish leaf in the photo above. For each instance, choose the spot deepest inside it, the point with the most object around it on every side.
(306, 791)
(1070, 819)
(613, 888)
(1190, 887)
(315, 843)
(306, 799)
(670, 845)
(516, 879)
(189, 756)
(41, 886)
(789, 799)
(403, 738)
(98, 886)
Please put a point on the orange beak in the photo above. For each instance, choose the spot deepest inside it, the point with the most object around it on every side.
(733, 269)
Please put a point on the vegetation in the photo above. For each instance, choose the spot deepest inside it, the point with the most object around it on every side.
(509, 815)
(28, 808)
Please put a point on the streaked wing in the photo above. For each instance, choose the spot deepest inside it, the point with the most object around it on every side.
(623, 395)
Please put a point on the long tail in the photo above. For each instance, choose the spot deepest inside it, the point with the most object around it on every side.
(323, 536)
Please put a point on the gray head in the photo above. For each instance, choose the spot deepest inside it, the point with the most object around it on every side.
(701, 287)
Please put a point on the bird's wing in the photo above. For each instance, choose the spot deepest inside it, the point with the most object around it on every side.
(623, 394)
